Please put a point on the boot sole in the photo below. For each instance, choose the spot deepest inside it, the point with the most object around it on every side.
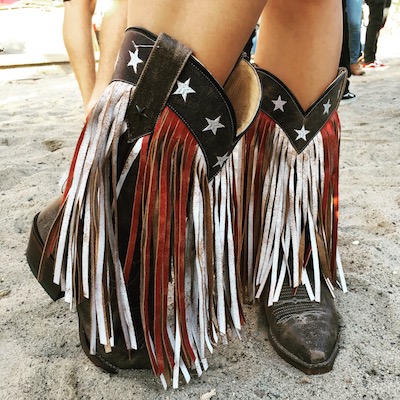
(95, 359)
(138, 361)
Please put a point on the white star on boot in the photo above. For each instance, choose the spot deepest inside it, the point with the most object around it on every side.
(279, 103)
(302, 133)
(184, 89)
(327, 106)
(221, 160)
(213, 125)
(135, 60)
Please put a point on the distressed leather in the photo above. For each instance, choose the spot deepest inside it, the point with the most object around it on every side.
(279, 103)
(303, 332)
(230, 111)
(165, 63)
(39, 231)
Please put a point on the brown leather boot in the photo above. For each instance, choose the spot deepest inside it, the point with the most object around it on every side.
(40, 229)
(149, 211)
(304, 333)
(291, 197)
(120, 357)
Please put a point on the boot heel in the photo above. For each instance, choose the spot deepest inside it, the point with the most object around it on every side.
(33, 256)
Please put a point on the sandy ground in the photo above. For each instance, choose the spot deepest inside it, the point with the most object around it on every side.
(40, 119)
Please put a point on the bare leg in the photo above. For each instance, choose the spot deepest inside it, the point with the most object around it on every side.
(300, 43)
(77, 31)
(112, 30)
(216, 31)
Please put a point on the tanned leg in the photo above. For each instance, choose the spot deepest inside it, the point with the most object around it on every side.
(112, 31)
(216, 31)
(300, 43)
(77, 32)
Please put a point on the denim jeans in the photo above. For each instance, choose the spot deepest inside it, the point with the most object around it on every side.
(354, 11)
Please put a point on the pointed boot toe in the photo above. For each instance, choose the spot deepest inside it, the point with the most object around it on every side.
(304, 333)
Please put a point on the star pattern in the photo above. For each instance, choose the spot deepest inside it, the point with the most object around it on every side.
(300, 126)
(141, 111)
(327, 106)
(302, 133)
(135, 60)
(213, 125)
(221, 161)
(184, 89)
(279, 103)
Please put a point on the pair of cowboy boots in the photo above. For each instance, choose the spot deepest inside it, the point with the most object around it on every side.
(162, 225)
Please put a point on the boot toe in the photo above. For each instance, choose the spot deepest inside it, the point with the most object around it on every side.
(305, 333)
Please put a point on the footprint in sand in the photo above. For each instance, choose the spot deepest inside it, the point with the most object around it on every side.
(53, 144)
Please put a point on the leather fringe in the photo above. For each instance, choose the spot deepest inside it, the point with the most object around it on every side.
(290, 211)
(182, 229)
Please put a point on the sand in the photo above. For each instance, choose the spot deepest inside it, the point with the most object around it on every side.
(40, 119)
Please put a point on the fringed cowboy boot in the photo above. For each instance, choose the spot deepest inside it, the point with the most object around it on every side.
(290, 258)
(44, 272)
(148, 216)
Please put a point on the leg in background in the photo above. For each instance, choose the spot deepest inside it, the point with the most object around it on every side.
(345, 58)
(375, 24)
(112, 32)
(77, 32)
(354, 12)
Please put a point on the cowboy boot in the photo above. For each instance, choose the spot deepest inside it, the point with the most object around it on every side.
(148, 211)
(291, 200)
(40, 229)
(44, 273)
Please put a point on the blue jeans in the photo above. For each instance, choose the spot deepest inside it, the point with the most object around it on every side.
(354, 11)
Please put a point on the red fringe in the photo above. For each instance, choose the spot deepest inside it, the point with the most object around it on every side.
(257, 152)
(330, 198)
(161, 203)
(161, 208)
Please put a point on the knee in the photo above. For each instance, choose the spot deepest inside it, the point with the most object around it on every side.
(80, 6)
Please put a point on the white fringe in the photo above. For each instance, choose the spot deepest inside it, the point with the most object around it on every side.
(103, 130)
(86, 201)
(290, 201)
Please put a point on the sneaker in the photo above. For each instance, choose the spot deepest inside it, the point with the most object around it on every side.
(347, 98)
(376, 65)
